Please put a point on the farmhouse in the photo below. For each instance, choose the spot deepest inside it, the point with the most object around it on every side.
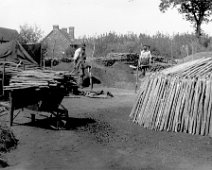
(7, 35)
(57, 41)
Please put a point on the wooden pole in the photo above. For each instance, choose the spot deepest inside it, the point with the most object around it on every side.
(3, 77)
(90, 72)
(11, 107)
(136, 80)
(53, 53)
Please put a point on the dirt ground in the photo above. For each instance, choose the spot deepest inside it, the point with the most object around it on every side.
(100, 136)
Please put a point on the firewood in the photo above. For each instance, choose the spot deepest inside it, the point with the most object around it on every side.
(178, 99)
(168, 105)
(205, 109)
(209, 111)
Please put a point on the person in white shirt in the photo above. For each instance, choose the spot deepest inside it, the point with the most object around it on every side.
(79, 63)
(79, 55)
(144, 59)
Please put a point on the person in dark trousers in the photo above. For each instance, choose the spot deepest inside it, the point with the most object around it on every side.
(79, 63)
(144, 59)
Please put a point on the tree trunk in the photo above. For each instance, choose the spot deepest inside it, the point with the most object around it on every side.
(198, 29)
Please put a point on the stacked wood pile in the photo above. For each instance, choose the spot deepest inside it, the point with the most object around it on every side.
(23, 76)
(39, 78)
(155, 67)
(11, 68)
(122, 56)
(178, 99)
(111, 58)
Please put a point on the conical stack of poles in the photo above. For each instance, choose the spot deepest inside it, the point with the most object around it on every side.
(180, 101)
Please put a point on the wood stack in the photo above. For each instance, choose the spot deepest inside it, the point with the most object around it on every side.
(177, 99)
(38, 78)
(155, 67)
(111, 58)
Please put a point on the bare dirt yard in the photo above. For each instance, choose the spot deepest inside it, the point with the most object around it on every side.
(100, 136)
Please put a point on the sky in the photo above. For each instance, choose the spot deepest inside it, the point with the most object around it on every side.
(94, 17)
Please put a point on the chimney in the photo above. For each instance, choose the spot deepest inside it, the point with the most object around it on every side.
(64, 30)
(55, 27)
(71, 33)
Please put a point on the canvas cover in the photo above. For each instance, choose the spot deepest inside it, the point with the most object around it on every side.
(35, 51)
(14, 52)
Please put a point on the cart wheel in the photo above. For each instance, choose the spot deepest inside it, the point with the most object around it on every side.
(61, 120)
(58, 125)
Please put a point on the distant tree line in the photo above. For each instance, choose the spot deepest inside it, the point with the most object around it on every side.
(172, 46)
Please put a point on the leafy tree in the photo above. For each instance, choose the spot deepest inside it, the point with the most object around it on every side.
(30, 34)
(195, 11)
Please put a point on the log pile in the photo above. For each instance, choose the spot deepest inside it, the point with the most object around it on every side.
(178, 99)
(111, 58)
(155, 67)
(19, 76)
(11, 68)
(39, 78)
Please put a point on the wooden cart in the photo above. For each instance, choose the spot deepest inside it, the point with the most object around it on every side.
(45, 99)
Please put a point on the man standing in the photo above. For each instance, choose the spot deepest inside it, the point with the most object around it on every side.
(144, 59)
(79, 63)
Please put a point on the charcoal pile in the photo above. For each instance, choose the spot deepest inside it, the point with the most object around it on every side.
(177, 99)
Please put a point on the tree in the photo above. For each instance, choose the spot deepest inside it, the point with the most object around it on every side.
(195, 11)
(30, 34)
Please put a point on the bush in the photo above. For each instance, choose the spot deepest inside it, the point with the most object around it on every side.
(7, 139)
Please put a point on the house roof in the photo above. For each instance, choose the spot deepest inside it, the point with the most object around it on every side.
(66, 35)
(7, 34)
(62, 32)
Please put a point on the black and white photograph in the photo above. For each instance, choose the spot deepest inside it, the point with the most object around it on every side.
(106, 84)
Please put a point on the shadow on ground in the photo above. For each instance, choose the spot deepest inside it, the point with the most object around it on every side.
(70, 124)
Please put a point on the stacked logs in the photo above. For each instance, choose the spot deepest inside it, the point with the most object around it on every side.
(38, 78)
(155, 67)
(178, 101)
(111, 58)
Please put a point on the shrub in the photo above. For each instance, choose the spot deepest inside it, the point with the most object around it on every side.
(7, 139)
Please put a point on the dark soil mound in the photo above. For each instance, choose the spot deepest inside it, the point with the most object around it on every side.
(119, 75)
(64, 66)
